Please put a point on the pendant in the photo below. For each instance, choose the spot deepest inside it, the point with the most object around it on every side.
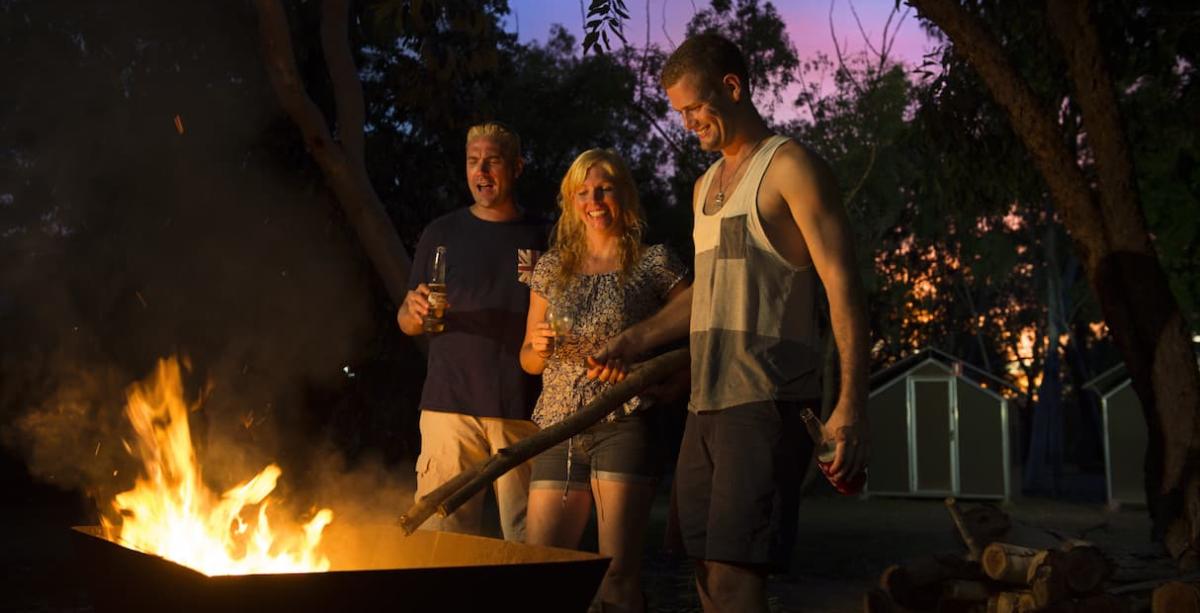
(720, 200)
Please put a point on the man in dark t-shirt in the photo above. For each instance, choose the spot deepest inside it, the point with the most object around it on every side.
(476, 398)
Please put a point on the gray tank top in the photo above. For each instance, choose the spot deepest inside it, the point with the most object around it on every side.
(753, 331)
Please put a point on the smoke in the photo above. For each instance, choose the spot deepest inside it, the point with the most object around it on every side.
(154, 202)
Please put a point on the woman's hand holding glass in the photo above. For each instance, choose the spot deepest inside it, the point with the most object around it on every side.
(559, 321)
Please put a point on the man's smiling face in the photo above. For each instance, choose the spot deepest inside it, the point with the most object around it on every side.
(701, 109)
(491, 175)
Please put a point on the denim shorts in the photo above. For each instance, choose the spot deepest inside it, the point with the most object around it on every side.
(621, 450)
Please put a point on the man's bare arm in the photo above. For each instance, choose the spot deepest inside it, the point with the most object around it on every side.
(812, 199)
(668, 324)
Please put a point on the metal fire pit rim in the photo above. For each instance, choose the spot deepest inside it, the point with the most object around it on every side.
(96, 532)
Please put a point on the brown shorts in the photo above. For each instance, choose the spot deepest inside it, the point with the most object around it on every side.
(738, 483)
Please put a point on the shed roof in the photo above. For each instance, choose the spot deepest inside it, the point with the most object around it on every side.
(1108, 380)
(968, 371)
(1115, 377)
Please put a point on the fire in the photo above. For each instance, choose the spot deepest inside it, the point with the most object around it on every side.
(170, 512)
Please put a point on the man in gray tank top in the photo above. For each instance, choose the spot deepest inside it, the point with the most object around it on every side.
(769, 226)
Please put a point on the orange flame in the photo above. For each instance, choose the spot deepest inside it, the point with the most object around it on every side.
(171, 513)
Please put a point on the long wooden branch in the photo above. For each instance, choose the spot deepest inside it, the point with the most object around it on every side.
(347, 88)
(347, 179)
(451, 495)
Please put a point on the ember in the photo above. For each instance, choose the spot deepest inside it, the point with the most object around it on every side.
(171, 513)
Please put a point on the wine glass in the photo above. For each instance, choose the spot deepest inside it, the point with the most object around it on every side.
(561, 320)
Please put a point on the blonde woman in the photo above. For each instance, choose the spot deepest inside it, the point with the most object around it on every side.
(598, 273)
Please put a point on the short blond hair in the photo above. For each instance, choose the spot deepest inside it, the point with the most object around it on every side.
(569, 233)
(509, 140)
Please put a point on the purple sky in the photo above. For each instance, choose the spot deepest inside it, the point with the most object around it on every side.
(807, 24)
(807, 20)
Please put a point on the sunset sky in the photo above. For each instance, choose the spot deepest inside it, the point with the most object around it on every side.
(808, 23)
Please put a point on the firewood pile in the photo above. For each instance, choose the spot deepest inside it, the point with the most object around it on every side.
(1012, 571)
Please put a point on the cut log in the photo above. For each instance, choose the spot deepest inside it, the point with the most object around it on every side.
(1044, 557)
(903, 589)
(1008, 563)
(1176, 597)
(1102, 603)
(916, 583)
(1048, 587)
(1011, 602)
(965, 591)
(875, 600)
(1085, 568)
(1003, 602)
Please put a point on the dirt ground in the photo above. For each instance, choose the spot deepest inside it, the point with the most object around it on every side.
(844, 544)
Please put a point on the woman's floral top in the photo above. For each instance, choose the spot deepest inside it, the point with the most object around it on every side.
(602, 305)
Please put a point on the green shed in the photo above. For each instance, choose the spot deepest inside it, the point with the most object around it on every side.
(1125, 436)
(939, 427)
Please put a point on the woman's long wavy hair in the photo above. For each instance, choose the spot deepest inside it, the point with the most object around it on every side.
(569, 233)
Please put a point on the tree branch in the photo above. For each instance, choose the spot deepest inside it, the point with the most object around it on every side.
(837, 49)
(347, 179)
(347, 89)
(1030, 120)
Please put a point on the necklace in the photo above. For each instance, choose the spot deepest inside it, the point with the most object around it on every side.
(722, 184)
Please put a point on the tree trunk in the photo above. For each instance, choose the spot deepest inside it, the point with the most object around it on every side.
(1108, 232)
(1043, 464)
(342, 163)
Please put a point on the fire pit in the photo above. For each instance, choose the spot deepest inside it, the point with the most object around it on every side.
(372, 568)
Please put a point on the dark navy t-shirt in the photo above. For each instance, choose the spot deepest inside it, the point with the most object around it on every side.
(474, 365)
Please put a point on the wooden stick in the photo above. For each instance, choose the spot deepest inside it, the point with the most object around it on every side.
(422, 509)
(968, 539)
(451, 495)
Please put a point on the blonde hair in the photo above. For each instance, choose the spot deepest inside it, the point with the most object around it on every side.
(508, 139)
(569, 232)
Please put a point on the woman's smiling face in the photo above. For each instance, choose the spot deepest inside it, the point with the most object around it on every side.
(597, 202)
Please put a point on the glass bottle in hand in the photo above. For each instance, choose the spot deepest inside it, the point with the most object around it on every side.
(434, 322)
(826, 451)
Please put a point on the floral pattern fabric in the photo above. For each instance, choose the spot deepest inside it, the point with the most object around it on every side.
(602, 305)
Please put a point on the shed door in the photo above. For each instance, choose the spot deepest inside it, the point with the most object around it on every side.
(932, 436)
